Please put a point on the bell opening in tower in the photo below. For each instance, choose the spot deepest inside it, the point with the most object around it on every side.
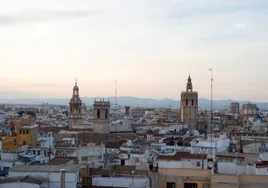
(98, 114)
(106, 114)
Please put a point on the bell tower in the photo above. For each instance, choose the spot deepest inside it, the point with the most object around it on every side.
(75, 112)
(189, 105)
(101, 116)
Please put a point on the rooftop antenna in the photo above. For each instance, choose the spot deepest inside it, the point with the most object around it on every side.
(211, 117)
(115, 98)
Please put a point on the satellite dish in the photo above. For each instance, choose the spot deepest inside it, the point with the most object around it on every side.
(131, 186)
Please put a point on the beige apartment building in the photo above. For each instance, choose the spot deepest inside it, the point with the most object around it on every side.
(203, 178)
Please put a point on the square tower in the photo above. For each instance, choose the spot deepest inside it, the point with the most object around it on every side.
(189, 105)
(101, 116)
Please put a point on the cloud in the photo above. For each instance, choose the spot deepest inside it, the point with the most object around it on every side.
(45, 85)
(138, 42)
(26, 17)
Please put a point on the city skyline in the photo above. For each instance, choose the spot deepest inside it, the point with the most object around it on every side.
(149, 47)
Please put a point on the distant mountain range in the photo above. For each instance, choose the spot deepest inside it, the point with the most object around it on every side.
(128, 101)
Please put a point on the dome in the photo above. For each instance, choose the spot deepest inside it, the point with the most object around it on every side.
(75, 87)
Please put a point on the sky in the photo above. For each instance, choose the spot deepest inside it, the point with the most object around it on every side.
(148, 46)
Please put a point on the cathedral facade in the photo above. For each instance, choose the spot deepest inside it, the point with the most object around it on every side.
(189, 105)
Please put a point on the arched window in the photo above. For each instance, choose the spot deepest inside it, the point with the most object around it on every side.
(186, 102)
(192, 102)
(106, 114)
(98, 114)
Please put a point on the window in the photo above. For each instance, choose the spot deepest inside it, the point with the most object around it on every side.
(198, 163)
(186, 102)
(190, 185)
(87, 181)
(14, 142)
(170, 185)
(106, 114)
(205, 185)
(98, 114)
(192, 102)
(27, 132)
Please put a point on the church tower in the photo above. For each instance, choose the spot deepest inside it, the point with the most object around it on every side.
(101, 116)
(75, 114)
(189, 105)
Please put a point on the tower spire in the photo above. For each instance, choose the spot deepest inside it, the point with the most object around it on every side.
(189, 85)
(75, 80)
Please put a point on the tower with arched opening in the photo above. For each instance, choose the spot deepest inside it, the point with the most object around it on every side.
(189, 105)
(101, 116)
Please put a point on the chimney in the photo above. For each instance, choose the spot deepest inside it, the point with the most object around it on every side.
(62, 171)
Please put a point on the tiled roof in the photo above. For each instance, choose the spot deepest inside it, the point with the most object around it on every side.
(230, 156)
(261, 164)
(62, 160)
(182, 155)
(112, 145)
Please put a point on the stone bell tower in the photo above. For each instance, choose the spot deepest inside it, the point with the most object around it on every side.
(75, 114)
(101, 116)
(189, 105)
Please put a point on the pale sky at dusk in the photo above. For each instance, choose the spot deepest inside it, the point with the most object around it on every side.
(149, 46)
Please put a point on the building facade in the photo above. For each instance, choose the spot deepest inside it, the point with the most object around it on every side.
(203, 178)
(189, 105)
(25, 135)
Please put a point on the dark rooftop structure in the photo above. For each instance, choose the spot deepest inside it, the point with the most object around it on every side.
(26, 179)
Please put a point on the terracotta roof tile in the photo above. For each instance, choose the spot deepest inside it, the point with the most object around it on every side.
(182, 155)
(261, 164)
(62, 160)
(112, 145)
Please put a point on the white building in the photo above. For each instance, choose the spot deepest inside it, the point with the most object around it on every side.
(24, 182)
(91, 153)
(183, 160)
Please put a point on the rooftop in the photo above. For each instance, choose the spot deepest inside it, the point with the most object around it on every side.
(26, 179)
(182, 155)
(62, 160)
(29, 126)
(44, 168)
